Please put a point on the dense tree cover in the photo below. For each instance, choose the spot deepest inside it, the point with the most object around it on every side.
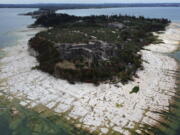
(130, 34)
(59, 19)
(55, 19)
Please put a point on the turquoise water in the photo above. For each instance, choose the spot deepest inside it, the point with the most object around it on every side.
(10, 22)
(172, 13)
(176, 55)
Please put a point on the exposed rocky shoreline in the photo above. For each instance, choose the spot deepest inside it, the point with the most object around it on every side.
(104, 108)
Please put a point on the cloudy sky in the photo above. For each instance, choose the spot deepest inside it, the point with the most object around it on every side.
(86, 1)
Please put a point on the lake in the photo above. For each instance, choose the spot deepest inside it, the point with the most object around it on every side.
(11, 22)
(171, 13)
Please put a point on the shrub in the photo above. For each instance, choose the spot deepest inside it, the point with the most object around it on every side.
(135, 90)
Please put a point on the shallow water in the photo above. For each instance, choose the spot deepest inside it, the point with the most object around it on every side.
(175, 123)
(11, 22)
(176, 55)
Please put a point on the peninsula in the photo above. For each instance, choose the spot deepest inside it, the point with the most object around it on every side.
(53, 68)
(93, 49)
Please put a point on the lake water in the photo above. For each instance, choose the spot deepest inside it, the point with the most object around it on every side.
(172, 13)
(11, 22)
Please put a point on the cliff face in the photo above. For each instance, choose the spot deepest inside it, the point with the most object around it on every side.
(93, 49)
(87, 58)
(95, 52)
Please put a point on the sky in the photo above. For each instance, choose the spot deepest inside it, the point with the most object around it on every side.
(86, 1)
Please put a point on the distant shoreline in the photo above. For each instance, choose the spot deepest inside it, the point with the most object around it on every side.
(87, 6)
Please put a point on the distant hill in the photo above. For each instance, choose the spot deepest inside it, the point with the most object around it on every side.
(74, 6)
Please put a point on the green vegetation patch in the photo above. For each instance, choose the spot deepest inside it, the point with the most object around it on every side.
(119, 105)
(99, 48)
(135, 90)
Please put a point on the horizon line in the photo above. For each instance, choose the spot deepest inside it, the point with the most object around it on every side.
(93, 3)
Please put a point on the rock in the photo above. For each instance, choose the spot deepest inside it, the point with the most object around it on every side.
(116, 25)
(104, 130)
(87, 53)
